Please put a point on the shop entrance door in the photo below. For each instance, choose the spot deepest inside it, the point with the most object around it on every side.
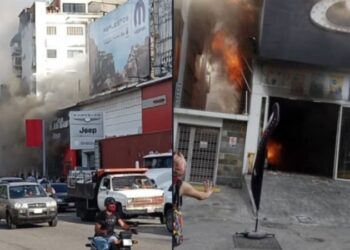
(200, 147)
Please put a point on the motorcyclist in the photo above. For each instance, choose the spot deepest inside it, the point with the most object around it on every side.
(105, 238)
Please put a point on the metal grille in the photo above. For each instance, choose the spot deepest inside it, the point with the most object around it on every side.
(204, 154)
(199, 145)
(261, 244)
(184, 139)
(36, 205)
(162, 33)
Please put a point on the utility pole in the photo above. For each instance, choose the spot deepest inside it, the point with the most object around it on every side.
(44, 149)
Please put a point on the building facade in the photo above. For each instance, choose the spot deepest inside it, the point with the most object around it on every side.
(302, 65)
(212, 90)
(52, 45)
(130, 84)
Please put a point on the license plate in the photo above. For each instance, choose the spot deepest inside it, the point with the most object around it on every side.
(38, 211)
(71, 204)
(127, 242)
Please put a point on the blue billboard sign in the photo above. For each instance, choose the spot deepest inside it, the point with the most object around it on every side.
(119, 47)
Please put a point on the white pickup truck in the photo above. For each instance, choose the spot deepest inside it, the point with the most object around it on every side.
(134, 192)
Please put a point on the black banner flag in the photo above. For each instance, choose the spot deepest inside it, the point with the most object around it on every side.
(258, 170)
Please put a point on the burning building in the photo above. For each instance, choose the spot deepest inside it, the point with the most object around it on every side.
(235, 59)
(303, 66)
(213, 56)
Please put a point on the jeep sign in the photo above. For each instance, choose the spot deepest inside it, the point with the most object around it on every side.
(85, 127)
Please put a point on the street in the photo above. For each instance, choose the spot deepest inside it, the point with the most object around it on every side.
(304, 212)
(71, 233)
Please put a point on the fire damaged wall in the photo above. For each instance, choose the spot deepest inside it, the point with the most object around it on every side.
(231, 153)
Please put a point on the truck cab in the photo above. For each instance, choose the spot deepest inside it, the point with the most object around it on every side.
(135, 194)
(158, 160)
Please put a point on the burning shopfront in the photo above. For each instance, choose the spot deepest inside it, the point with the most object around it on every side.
(303, 65)
(227, 81)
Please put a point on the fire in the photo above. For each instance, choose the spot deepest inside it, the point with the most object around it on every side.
(226, 48)
(274, 151)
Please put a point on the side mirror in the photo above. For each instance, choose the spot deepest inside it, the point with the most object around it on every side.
(103, 188)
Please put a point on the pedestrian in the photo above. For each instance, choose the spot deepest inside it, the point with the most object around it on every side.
(186, 189)
(182, 188)
(50, 190)
(30, 177)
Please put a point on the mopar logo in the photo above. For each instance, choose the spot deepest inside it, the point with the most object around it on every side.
(139, 13)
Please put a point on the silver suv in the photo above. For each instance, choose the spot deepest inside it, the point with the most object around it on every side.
(26, 202)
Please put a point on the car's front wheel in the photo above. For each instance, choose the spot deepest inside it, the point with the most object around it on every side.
(9, 222)
(53, 223)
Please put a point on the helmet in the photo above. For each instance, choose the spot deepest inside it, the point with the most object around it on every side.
(109, 200)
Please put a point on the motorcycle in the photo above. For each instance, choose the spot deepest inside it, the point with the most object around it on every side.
(126, 241)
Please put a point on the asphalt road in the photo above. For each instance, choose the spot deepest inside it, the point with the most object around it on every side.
(71, 233)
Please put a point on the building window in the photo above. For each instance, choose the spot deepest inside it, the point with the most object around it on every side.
(75, 31)
(51, 53)
(73, 53)
(74, 8)
(51, 30)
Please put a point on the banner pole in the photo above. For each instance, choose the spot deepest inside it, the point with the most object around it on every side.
(44, 148)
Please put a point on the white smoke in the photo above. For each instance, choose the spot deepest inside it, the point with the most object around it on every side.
(58, 90)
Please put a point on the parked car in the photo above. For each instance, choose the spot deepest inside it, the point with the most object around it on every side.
(10, 179)
(162, 177)
(63, 201)
(26, 202)
(158, 160)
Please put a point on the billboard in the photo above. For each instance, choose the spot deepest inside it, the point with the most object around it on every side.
(119, 50)
(85, 127)
(307, 31)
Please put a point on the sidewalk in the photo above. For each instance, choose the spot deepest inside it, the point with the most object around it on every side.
(304, 212)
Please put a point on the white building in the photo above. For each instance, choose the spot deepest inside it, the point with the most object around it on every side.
(53, 46)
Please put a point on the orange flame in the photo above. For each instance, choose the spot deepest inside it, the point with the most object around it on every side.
(274, 150)
(222, 46)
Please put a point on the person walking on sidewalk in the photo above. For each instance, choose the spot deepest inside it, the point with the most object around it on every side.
(182, 188)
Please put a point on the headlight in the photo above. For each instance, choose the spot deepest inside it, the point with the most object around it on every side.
(51, 204)
(130, 201)
(19, 205)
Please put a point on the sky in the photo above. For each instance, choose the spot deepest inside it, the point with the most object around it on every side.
(9, 12)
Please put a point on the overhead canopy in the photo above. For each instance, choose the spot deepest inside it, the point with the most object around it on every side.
(290, 33)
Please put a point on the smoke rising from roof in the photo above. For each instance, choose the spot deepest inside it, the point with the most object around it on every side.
(9, 12)
(59, 89)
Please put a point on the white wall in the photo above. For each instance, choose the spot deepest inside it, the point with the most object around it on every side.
(122, 114)
(74, 71)
(28, 54)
